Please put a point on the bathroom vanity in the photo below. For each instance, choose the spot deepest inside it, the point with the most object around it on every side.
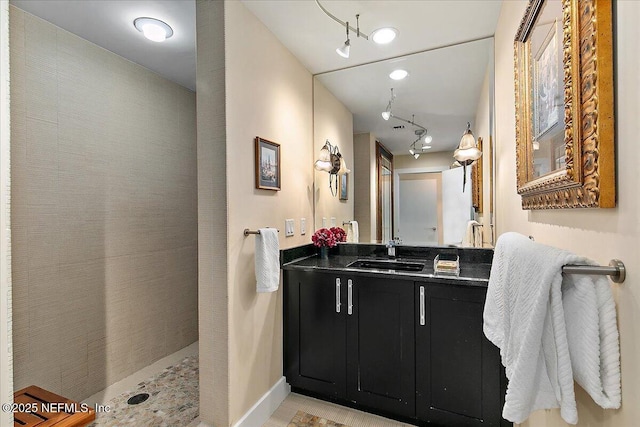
(390, 337)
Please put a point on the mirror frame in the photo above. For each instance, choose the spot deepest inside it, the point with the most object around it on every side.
(588, 179)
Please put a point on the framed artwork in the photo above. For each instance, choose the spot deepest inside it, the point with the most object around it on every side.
(565, 127)
(476, 181)
(267, 164)
(344, 187)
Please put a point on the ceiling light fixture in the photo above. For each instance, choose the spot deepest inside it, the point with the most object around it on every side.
(420, 132)
(384, 35)
(380, 36)
(386, 114)
(398, 74)
(344, 49)
(153, 29)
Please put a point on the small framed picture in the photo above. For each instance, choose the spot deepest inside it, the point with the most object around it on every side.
(344, 187)
(267, 164)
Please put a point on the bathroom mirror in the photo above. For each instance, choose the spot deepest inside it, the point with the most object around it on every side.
(445, 88)
(564, 105)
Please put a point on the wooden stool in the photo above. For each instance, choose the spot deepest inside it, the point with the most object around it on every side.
(46, 409)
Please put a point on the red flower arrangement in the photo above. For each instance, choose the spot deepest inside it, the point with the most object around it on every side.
(324, 237)
(339, 233)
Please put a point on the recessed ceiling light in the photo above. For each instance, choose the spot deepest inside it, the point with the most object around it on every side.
(384, 35)
(153, 29)
(398, 74)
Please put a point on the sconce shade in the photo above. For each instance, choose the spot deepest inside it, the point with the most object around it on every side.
(324, 156)
(323, 166)
(468, 149)
(343, 167)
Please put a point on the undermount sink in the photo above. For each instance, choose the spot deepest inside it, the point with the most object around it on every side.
(386, 265)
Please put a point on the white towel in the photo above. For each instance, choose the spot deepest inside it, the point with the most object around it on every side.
(469, 240)
(267, 260)
(353, 232)
(543, 345)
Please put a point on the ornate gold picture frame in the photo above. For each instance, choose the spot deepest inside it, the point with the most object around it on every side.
(476, 181)
(564, 110)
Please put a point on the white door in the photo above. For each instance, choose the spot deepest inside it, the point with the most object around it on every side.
(456, 205)
(417, 219)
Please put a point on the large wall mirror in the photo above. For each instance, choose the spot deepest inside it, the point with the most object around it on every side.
(444, 90)
(564, 104)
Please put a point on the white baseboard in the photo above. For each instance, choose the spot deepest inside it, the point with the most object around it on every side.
(265, 406)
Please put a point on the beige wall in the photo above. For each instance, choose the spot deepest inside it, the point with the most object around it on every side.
(268, 94)
(365, 185)
(440, 159)
(103, 212)
(482, 129)
(600, 234)
(333, 122)
(213, 307)
(6, 356)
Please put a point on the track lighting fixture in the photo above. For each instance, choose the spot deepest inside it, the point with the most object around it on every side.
(380, 36)
(421, 132)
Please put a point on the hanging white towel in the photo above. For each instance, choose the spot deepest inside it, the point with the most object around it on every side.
(267, 260)
(353, 232)
(544, 345)
(469, 240)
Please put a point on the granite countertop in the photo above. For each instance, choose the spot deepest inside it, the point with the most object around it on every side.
(471, 273)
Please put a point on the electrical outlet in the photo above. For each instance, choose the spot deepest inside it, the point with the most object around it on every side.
(324, 222)
(288, 227)
(303, 226)
(333, 221)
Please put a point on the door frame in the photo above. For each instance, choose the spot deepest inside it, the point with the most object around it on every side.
(381, 150)
(407, 171)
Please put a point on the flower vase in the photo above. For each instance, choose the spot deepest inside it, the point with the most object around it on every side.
(324, 252)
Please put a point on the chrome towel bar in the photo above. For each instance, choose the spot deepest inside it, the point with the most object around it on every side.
(247, 231)
(616, 270)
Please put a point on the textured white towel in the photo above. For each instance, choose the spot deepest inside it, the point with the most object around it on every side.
(267, 260)
(470, 235)
(353, 232)
(543, 344)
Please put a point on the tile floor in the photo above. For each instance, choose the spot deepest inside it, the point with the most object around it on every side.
(173, 400)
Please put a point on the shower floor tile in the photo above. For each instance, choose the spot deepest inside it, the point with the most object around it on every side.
(173, 400)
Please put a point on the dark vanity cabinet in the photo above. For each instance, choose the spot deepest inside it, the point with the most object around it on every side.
(315, 333)
(412, 350)
(351, 339)
(458, 371)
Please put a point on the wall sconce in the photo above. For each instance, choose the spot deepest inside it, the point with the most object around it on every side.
(467, 152)
(331, 161)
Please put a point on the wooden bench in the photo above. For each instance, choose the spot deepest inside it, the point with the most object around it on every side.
(46, 409)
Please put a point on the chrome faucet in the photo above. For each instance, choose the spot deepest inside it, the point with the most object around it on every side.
(391, 248)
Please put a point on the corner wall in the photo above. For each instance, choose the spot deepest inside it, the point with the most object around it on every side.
(103, 160)
(365, 185)
(268, 94)
(601, 234)
(213, 308)
(332, 121)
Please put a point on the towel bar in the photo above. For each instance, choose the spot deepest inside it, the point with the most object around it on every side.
(247, 231)
(616, 270)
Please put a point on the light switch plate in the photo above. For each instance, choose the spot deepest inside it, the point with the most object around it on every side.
(324, 222)
(333, 221)
(303, 226)
(288, 227)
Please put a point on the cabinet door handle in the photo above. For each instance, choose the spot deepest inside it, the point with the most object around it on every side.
(337, 295)
(349, 297)
(422, 314)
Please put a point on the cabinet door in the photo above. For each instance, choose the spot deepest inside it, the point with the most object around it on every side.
(314, 332)
(380, 345)
(458, 370)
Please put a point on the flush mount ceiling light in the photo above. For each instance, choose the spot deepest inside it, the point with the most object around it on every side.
(153, 29)
(384, 35)
(398, 74)
(330, 160)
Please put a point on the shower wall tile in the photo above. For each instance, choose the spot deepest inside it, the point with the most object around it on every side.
(104, 212)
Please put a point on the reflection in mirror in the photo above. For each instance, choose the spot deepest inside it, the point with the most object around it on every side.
(444, 89)
(548, 91)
